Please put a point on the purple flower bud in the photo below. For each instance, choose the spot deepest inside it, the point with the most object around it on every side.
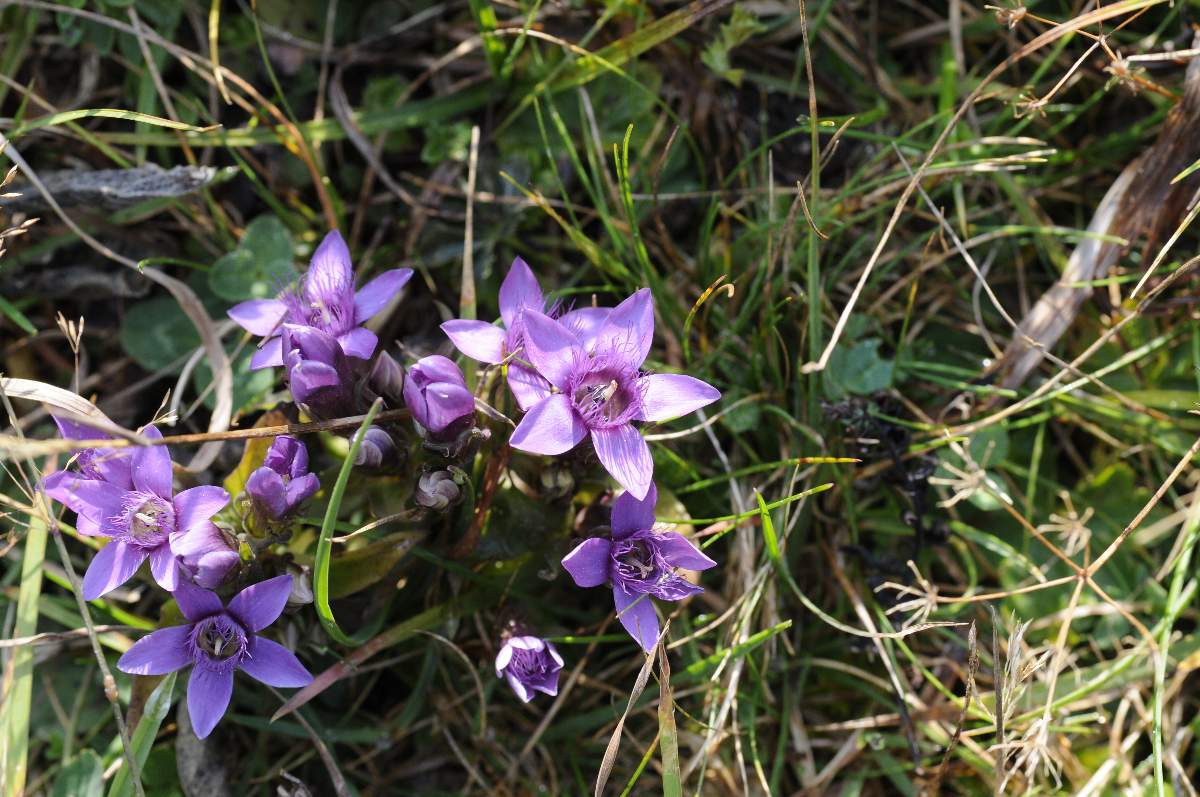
(376, 448)
(283, 481)
(437, 490)
(317, 371)
(436, 394)
(387, 378)
(216, 641)
(529, 664)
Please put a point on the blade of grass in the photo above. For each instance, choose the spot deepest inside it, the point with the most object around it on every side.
(145, 733)
(325, 542)
(18, 685)
(667, 734)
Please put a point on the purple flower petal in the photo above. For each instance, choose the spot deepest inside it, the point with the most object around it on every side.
(588, 564)
(550, 427)
(680, 552)
(528, 386)
(625, 455)
(287, 455)
(359, 342)
(669, 396)
(436, 368)
(518, 687)
(152, 467)
(112, 566)
(77, 430)
(164, 568)
(520, 290)
(211, 568)
(269, 355)
(97, 500)
(158, 653)
(310, 377)
(196, 603)
(629, 329)
(478, 340)
(636, 613)
(259, 316)
(195, 507)
(675, 588)
(375, 295)
(302, 488)
(273, 664)
(259, 605)
(447, 403)
(266, 487)
(630, 514)
(208, 696)
(586, 323)
(550, 347)
(330, 275)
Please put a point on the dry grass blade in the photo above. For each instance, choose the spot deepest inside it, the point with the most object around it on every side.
(614, 743)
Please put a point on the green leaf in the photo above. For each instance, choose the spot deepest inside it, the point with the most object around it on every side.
(356, 570)
(260, 265)
(82, 776)
(737, 31)
(145, 733)
(857, 369)
(156, 333)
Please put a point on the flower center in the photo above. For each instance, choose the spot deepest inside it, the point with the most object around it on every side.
(636, 560)
(147, 520)
(604, 393)
(218, 642)
(527, 663)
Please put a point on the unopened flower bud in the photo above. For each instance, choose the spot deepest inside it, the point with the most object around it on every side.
(283, 481)
(387, 378)
(376, 448)
(437, 490)
(302, 592)
(436, 394)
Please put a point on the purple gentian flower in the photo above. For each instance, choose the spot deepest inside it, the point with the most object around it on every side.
(326, 300)
(488, 343)
(145, 519)
(638, 562)
(530, 665)
(318, 372)
(283, 481)
(216, 641)
(436, 393)
(601, 390)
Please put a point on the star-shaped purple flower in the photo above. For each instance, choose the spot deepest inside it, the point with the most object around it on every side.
(600, 390)
(216, 641)
(283, 481)
(638, 562)
(145, 519)
(529, 664)
(489, 343)
(326, 300)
